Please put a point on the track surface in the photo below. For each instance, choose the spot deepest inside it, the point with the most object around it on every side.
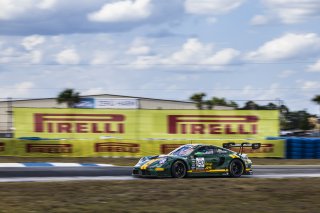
(124, 173)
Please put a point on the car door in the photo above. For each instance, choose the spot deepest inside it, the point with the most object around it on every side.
(206, 159)
(222, 161)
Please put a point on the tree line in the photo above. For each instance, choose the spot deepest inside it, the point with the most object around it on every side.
(289, 120)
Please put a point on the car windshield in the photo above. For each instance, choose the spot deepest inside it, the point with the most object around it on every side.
(183, 150)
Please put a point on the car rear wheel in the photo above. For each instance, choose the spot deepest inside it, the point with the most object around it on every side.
(178, 169)
(236, 168)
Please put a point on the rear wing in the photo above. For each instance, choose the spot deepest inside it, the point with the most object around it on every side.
(241, 146)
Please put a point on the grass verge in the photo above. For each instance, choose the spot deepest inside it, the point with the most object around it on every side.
(164, 195)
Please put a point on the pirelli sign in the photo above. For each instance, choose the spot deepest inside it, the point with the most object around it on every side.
(141, 124)
(79, 123)
(213, 124)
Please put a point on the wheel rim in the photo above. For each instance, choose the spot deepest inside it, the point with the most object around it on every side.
(179, 170)
(236, 168)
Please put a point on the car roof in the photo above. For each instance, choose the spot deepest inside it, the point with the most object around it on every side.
(198, 145)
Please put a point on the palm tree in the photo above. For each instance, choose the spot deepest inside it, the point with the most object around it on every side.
(250, 105)
(271, 106)
(316, 99)
(233, 104)
(209, 104)
(68, 96)
(198, 99)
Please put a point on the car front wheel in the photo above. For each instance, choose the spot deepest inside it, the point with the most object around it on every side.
(178, 169)
(236, 168)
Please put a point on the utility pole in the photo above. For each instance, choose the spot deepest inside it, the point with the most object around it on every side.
(9, 116)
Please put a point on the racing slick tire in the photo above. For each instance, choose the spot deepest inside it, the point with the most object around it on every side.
(178, 169)
(236, 168)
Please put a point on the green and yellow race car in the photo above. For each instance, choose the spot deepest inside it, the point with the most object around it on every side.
(197, 160)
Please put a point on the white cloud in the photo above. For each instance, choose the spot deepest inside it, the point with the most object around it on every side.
(68, 56)
(292, 11)
(120, 11)
(222, 57)
(31, 41)
(46, 4)
(94, 91)
(35, 56)
(211, 20)
(145, 62)
(11, 55)
(314, 67)
(101, 57)
(211, 7)
(139, 47)
(138, 50)
(260, 94)
(18, 90)
(310, 85)
(193, 54)
(286, 73)
(8, 52)
(11, 9)
(251, 93)
(24, 87)
(259, 20)
(287, 47)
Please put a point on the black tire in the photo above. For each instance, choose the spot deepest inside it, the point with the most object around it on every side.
(178, 169)
(236, 168)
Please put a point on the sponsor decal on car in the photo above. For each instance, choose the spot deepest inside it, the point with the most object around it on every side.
(200, 163)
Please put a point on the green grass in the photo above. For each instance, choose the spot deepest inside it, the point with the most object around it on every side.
(164, 195)
(133, 161)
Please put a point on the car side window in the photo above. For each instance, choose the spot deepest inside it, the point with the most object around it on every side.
(206, 150)
(221, 151)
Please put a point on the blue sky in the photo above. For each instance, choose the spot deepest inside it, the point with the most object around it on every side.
(170, 49)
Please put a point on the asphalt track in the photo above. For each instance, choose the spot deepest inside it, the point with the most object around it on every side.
(17, 174)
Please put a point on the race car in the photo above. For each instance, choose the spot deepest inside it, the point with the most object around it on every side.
(198, 160)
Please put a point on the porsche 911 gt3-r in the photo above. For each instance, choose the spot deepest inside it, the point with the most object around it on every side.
(197, 160)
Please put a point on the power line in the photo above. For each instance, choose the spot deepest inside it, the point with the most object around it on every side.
(177, 89)
(163, 64)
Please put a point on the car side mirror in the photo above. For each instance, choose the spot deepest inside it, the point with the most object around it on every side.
(198, 154)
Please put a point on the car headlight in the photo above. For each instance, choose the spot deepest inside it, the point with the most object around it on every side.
(244, 156)
(142, 160)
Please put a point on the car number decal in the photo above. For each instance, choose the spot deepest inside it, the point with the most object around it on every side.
(200, 162)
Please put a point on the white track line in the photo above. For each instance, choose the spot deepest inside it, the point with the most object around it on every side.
(62, 179)
(126, 178)
(11, 165)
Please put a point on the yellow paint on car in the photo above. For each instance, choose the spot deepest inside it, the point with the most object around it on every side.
(144, 166)
(159, 169)
(211, 171)
(234, 156)
(218, 170)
